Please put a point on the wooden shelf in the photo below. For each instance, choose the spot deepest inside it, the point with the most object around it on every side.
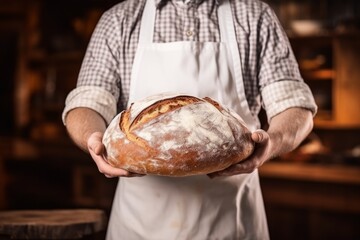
(322, 74)
(320, 39)
(312, 172)
(336, 89)
(321, 123)
(41, 56)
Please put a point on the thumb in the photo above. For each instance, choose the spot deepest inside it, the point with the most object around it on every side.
(99, 148)
(259, 136)
(95, 143)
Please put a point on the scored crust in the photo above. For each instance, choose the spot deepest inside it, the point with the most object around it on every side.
(158, 108)
(153, 111)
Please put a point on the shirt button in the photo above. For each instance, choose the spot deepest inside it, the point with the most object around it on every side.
(189, 33)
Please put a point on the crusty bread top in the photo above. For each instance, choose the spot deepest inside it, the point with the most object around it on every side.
(129, 121)
(154, 111)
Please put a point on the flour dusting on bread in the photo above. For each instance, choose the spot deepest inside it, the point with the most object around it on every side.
(176, 135)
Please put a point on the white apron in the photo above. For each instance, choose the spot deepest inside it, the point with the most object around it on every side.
(197, 207)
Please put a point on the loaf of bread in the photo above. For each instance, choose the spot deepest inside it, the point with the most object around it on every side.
(176, 135)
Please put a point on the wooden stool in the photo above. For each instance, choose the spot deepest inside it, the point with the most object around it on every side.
(52, 224)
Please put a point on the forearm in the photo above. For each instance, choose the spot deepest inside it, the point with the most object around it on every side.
(288, 129)
(81, 123)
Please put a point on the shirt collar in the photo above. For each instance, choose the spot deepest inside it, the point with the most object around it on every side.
(161, 3)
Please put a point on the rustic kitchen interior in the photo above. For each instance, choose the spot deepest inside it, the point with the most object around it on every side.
(310, 193)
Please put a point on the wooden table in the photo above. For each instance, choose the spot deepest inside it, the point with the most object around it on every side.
(51, 224)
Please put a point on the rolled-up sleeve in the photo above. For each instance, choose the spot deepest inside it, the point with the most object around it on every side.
(95, 98)
(99, 79)
(281, 95)
(281, 83)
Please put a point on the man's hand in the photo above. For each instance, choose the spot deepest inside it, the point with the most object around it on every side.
(262, 153)
(286, 131)
(97, 151)
(86, 127)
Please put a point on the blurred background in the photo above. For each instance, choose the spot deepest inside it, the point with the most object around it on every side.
(311, 193)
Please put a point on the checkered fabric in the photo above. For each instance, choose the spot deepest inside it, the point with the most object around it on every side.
(270, 71)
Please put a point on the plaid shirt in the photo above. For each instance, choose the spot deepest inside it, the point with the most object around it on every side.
(270, 71)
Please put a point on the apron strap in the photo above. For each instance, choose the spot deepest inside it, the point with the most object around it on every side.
(147, 22)
(228, 36)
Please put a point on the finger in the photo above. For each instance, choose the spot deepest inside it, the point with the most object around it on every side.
(232, 170)
(128, 175)
(246, 166)
(136, 175)
(99, 149)
(108, 170)
(98, 153)
(95, 143)
(259, 136)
